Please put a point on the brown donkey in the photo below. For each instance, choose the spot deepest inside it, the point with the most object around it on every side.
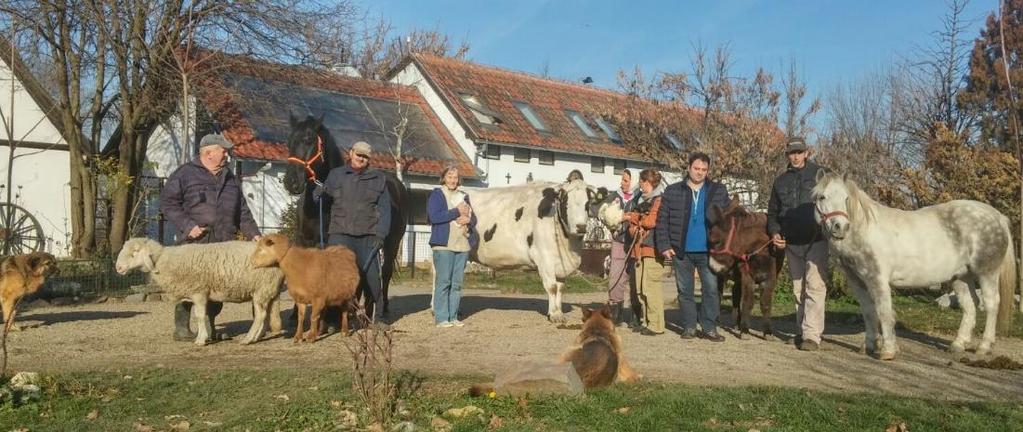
(741, 251)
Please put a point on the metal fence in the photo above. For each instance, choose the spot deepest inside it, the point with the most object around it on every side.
(85, 279)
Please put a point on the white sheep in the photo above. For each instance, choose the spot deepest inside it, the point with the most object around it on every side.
(215, 271)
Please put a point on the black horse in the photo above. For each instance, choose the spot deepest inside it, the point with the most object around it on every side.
(313, 154)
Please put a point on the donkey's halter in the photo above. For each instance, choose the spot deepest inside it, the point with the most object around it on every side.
(308, 164)
(743, 257)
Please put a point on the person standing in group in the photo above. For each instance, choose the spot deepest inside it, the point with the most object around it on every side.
(792, 227)
(204, 200)
(648, 272)
(452, 235)
(682, 236)
(618, 277)
(360, 218)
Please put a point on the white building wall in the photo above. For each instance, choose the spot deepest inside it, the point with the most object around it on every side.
(41, 177)
(411, 76)
(42, 187)
(506, 171)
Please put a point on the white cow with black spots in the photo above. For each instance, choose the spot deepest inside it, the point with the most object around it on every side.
(539, 225)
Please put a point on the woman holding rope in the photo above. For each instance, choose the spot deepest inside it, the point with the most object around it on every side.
(648, 267)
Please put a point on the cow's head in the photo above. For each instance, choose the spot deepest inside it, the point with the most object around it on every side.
(571, 203)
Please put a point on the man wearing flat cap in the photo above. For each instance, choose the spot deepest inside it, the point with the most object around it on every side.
(204, 201)
(360, 218)
(791, 225)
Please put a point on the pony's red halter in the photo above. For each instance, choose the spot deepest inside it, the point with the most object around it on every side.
(829, 215)
(727, 250)
(308, 164)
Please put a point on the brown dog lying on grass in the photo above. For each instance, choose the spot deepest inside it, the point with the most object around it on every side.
(21, 275)
(317, 277)
(596, 356)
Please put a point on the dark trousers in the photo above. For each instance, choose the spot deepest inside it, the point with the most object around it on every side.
(367, 255)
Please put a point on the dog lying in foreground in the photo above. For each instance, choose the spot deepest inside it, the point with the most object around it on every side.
(21, 275)
(596, 356)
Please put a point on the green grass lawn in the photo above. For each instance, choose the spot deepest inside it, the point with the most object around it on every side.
(289, 400)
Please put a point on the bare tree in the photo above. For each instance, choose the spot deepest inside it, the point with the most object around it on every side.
(398, 129)
(796, 119)
(124, 52)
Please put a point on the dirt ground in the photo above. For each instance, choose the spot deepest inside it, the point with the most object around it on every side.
(503, 331)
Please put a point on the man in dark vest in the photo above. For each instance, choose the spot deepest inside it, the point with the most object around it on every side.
(360, 217)
(204, 200)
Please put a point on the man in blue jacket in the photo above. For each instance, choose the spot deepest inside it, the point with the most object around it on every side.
(360, 217)
(204, 200)
(681, 235)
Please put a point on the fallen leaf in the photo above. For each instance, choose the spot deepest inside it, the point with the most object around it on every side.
(180, 426)
(212, 424)
(335, 404)
(439, 424)
(898, 426)
(495, 422)
(173, 416)
(283, 397)
(142, 427)
(92, 415)
(623, 410)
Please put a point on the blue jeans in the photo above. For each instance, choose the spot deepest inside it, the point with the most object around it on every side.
(710, 304)
(367, 253)
(450, 269)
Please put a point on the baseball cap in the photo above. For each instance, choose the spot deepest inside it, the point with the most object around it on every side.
(215, 139)
(795, 145)
(362, 148)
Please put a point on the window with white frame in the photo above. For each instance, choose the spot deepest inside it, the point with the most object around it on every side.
(531, 116)
(492, 152)
(522, 155)
(546, 157)
(620, 166)
(608, 129)
(482, 113)
(581, 123)
(674, 142)
(597, 164)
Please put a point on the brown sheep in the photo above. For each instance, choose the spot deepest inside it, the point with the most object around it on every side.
(314, 276)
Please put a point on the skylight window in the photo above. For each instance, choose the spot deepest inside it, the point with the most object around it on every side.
(530, 114)
(482, 113)
(606, 127)
(580, 121)
(674, 141)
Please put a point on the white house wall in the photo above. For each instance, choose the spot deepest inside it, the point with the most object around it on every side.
(164, 151)
(30, 122)
(41, 181)
(42, 187)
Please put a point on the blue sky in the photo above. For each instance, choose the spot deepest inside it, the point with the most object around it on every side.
(831, 41)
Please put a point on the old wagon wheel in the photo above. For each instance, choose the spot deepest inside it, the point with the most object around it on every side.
(20, 232)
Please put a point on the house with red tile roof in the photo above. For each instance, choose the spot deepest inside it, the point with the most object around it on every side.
(250, 102)
(517, 127)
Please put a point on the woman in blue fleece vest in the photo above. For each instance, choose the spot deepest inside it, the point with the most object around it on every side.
(452, 235)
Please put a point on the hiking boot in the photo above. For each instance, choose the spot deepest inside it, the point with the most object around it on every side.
(712, 336)
(647, 332)
(809, 345)
(688, 334)
(796, 340)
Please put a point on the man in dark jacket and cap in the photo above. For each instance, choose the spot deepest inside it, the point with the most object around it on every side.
(204, 200)
(791, 225)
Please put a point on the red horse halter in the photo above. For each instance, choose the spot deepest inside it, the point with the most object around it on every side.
(307, 164)
(744, 258)
(829, 215)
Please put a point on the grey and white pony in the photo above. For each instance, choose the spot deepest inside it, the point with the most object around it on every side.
(878, 248)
